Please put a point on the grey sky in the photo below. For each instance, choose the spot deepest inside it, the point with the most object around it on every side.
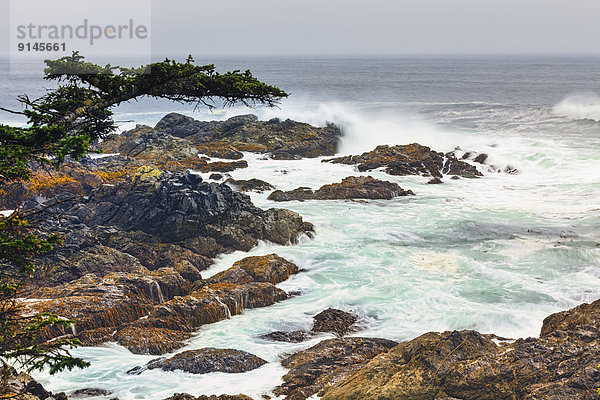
(240, 27)
(376, 26)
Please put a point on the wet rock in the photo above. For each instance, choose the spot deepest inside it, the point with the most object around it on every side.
(283, 139)
(249, 283)
(331, 320)
(155, 312)
(581, 323)
(100, 305)
(412, 159)
(185, 396)
(350, 188)
(314, 369)
(255, 185)
(289, 337)
(270, 268)
(216, 177)
(204, 361)
(212, 303)
(481, 158)
(560, 364)
(90, 392)
(435, 181)
(334, 321)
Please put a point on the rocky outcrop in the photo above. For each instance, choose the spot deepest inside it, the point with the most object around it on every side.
(154, 312)
(331, 320)
(167, 325)
(561, 364)
(315, 369)
(249, 185)
(177, 207)
(156, 220)
(412, 159)
(204, 361)
(352, 187)
(282, 139)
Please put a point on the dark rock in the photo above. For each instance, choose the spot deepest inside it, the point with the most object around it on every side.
(283, 139)
(331, 320)
(351, 187)
(314, 369)
(412, 159)
(181, 206)
(220, 166)
(481, 158)
(216, 176)
(435, 181)
(204, 361)
(179, 125)
(185, 396)
(289, 337)
(91, 392)
(334, 321)
(256, 185)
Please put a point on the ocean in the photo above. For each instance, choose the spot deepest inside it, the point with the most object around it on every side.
(496, 254)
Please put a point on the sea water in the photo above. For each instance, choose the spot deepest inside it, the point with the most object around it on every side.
(495, 254)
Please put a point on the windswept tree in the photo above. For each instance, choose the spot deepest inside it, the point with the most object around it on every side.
(63, 123)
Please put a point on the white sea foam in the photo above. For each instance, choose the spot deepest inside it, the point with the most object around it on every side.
(580, 106)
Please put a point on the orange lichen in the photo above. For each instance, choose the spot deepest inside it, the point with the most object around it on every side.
(41, 182)
(111, 176)
(255, 148)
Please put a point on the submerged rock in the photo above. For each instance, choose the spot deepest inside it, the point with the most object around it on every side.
(412, 159)
(352, 187)
(255, 185)
(185, 396)
(331, 320)
(204, 361)
(316, 368)
(560, 364)
(90, 392)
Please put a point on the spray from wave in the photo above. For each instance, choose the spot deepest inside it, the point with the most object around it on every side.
(579, 106)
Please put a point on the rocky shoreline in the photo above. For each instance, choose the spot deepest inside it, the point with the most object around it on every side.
(141, 226)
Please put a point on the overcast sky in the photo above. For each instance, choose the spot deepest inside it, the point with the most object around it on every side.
(376, 26)
(347, 27)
